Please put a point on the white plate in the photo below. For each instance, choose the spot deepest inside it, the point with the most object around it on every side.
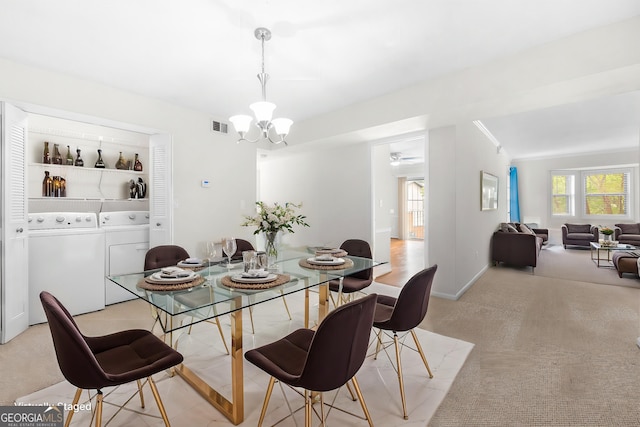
(239, 279)
(335, 261)
(157, 278)
(189, 264)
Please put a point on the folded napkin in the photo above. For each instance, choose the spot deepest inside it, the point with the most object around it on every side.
(255, 273)
(174, 273)
(325, 257)
(192, 261)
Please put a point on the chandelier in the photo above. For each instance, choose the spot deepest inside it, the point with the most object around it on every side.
(262, 110)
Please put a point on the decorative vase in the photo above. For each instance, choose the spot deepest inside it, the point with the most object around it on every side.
(607, 237)
(272, 242)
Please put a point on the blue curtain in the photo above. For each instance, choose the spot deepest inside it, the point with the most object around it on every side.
(514, 207)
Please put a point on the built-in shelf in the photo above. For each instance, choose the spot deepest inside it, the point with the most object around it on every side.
(68, 168)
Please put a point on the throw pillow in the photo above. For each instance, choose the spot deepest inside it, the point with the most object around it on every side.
(525, 229)
(511, 228)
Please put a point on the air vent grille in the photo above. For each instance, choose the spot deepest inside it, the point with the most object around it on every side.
(219, 127)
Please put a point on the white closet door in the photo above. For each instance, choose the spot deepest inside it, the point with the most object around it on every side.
(160, 191)
(14, 297)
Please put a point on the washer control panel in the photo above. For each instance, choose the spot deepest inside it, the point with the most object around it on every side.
(62, 220)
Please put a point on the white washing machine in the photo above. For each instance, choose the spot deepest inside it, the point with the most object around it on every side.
(66, 258)
(126, 244)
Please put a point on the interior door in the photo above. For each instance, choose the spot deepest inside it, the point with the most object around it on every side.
(14, 293)
(161, 193)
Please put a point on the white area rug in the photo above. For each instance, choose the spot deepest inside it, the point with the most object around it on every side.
(377, 379)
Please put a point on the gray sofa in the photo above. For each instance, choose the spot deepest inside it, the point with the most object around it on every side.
(627, 233)
(579, 234)
(517, 245)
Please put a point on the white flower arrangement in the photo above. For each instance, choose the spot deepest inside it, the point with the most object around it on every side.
(274, 218)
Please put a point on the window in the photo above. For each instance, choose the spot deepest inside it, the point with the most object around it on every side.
(562, 195)
(606, 193)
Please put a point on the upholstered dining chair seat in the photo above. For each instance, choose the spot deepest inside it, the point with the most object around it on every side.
(357, 281)
(320, 360)
(92, 363)
(168, 256)
(403, 314)
(164, 256)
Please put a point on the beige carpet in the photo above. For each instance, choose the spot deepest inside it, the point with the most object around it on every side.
(549, 352)
(575, 263)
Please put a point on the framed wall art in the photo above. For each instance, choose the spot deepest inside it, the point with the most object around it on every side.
(488, 191)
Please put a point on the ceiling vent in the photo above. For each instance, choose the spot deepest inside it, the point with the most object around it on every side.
(219, 127)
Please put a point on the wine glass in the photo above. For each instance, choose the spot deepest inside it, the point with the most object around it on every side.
(212, 251)
(229, 247)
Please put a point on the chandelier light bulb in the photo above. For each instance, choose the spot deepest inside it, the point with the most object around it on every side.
(241, 123)
(282, 126)
(263, 110)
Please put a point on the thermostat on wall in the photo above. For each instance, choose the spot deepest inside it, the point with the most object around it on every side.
(205, 183)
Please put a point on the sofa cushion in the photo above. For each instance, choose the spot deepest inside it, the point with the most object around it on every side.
(578, 228)
(511, 228)
(629, 228)
(525, 229)
(635, 238)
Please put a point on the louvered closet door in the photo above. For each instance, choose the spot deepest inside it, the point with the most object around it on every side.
(14, 296)
(160, 191)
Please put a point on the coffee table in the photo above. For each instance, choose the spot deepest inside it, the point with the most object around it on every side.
(596, 247)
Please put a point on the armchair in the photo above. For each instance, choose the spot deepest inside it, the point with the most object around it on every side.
(627, 233)
(579, 234)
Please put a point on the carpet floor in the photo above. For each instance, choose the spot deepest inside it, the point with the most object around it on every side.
(549, 351)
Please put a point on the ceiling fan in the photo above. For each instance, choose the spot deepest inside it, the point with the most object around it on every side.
(396, 158)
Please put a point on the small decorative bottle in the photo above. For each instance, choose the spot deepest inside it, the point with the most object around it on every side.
(100, 163)
(63, 187)
(47, 185)
(121, 164)
(57, 157)
(56, 187)
(69, 158)
(46, 156)
(137, 164)
(79, 161)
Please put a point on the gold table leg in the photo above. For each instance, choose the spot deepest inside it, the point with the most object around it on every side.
(234, 409)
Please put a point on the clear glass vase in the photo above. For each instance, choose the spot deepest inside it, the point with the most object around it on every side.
(272, 242)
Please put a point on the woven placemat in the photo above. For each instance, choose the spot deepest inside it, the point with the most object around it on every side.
(143, 284)
(229, 283)
(347, 264)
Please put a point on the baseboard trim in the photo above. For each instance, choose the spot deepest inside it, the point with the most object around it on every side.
(455, 297)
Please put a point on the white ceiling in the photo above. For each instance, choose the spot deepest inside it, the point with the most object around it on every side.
(570, 128)
(323, 55)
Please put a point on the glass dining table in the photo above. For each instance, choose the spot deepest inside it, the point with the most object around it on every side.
(213, 295)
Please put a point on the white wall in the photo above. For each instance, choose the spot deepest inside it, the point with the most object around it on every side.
(383, 204)
(334, 186)
(459, 233)
(534, 184)
(199, 213)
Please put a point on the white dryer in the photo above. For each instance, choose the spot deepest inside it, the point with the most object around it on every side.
(126, 244)
(66, 258)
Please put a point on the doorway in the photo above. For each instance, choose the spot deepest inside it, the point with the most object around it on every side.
(413, 220)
